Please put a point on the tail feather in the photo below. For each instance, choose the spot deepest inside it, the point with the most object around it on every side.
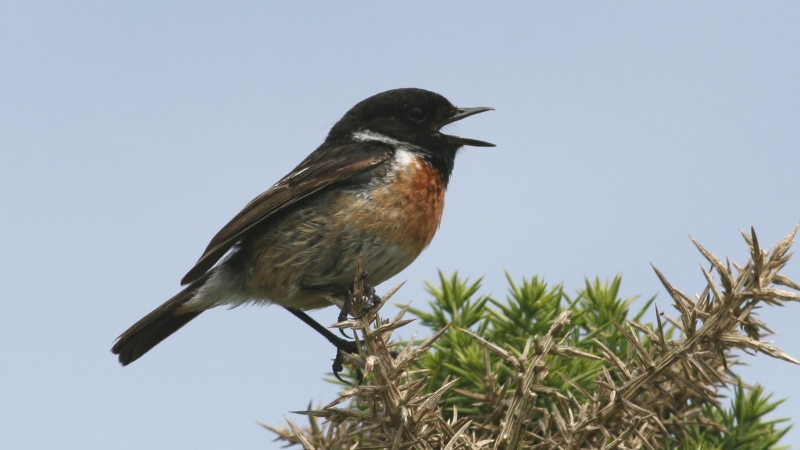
(156, 326)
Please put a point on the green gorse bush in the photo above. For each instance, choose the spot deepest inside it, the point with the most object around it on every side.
(546, 370)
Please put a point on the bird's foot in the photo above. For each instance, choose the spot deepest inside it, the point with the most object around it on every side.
(338, 366)
(371, 300)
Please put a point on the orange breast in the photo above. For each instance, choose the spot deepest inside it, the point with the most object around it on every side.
(409, 202)
(404, 205)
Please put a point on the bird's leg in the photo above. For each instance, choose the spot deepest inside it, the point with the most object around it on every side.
(339, 343)
(346, 306)
(342, 345)
(371, 301)
(347, 292)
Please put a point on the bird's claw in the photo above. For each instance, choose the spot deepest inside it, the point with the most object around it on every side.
(338, 367)
(346, 307)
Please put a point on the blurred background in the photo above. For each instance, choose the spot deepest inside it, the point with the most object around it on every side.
(130, 133)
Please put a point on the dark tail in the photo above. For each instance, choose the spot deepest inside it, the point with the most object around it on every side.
(156, 326)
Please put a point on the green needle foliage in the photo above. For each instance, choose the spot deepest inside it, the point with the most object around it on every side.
(545, 370)
(742, 425)
(531, 309)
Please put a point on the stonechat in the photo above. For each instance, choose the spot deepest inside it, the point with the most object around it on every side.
(372, 192)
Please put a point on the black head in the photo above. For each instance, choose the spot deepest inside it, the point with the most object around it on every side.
(413, 116)
(409, 115)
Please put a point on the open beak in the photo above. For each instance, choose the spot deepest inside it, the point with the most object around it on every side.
(463, 113)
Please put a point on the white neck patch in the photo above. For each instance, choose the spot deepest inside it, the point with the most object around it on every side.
(369, 135)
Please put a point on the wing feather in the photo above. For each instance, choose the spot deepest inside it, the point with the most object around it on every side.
(322, 168)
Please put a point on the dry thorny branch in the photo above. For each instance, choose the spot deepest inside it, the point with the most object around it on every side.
(640, 402)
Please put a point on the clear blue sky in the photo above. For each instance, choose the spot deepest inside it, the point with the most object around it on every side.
(131, 132)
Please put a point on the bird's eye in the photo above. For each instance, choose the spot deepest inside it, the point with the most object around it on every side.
(417, 114)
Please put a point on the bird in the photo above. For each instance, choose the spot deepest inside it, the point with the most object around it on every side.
(372, 194)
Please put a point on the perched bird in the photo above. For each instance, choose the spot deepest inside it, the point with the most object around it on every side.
(373, 191)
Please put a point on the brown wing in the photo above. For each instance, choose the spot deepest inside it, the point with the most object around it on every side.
(322, 168)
